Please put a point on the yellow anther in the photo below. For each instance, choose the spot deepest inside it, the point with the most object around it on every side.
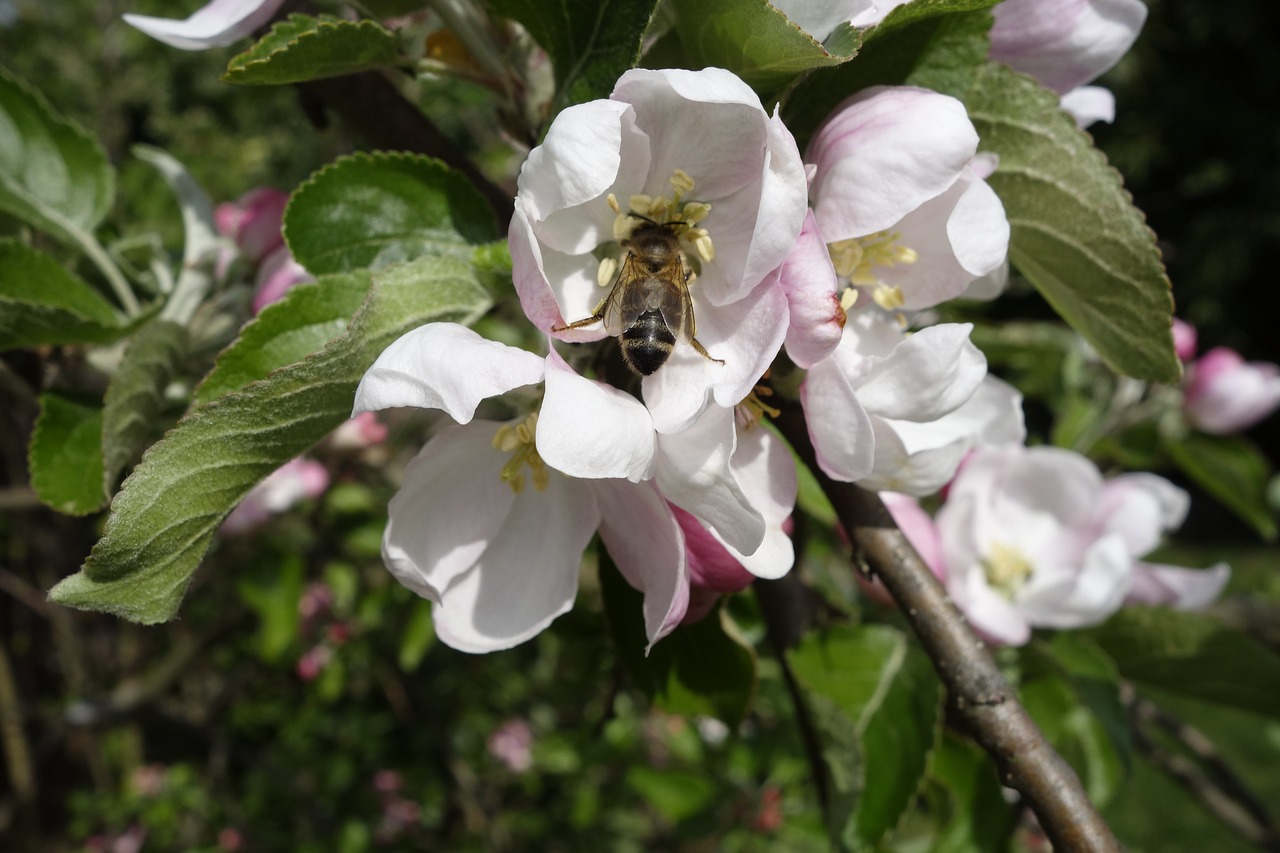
(1006, 568)
(613, 203)
(694, 212)
(706, 249)
(520, 441)
(606, 271)
(681, 183)
(887, 297)
(860, 259)
(848, 298)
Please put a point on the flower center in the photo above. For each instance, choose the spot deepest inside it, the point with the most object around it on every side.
(858, 258)
(1007, 569)
(518, 440)
(683, 216)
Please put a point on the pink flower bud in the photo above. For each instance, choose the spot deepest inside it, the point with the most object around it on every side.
(1184, 339)
(253, 222)
(1226, 394)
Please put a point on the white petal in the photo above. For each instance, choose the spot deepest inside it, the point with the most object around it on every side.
(693, 472)
(766, 471)
(918, 473)
(451, 506)
(444, 366)
(929, 374)
(641, 533)
(216, 24)
(1095, 590)
(882, 154)
(839, 427)
(591, 430)
(1139, 508)
(978, 229)
(1064, 43)
(527, 576)
(1174, 586)
(809, 281)
(1089, 105)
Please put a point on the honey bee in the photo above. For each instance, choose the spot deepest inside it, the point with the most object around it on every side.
(648, 307)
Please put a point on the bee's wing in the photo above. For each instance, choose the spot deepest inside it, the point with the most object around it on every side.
(676, 305)
(628, 299)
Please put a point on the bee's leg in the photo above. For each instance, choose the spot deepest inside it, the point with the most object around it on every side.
(594, 318)
(703, 351)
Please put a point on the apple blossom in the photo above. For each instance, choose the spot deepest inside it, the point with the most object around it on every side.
(1067, 43)
(897, 412)
(690, 149)
(1184, 340)
(1034, 537)
(216, 24)
(1226, 394)
(500, 561)
(900, 200)
(253, 222)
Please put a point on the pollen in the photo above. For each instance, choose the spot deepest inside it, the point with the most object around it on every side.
(1007, 569)
(683, 216)
(519, 440)
(859, 259)
(606, 271)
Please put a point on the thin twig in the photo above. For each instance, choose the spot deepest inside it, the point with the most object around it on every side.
(983, 701)
(17, 751)
(1208, 777)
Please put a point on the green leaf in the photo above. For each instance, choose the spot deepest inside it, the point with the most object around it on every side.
(164, 517)
(42, 303)
(305, 48)
(977, 820)
(702, 668)
(273, 593)
(417, 638)
(676, 795)
(53, 175)
(756, 41)
(1233, 471)
(135, 397)
(286, 332)
(374, 210)
(66, 455)
(1192, 654)
(878, 704)
(937, 44)
(590, 42)
(1075, 232)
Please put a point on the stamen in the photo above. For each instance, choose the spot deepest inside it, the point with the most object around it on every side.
(613, 203)
(848, 298)
(1007, 569)
(859, 260)
(753, 408)
(520, 441)
(887, 297)
(606, 271)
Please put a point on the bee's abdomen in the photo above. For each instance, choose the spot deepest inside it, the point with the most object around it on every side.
(647, 343)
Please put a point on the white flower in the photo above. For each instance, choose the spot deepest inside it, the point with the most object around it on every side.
(900, 200)
(1067, 43)
(1226, 394)
(691, 148)
(595, 462)
(216, 24)
(887, 409)
(1034, 537)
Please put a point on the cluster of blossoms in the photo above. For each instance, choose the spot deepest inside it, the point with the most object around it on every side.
(680, 216)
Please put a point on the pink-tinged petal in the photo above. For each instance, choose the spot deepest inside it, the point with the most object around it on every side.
(591, 430)
(1184, 339)
(1225, 394)
(527, 576)
(694, 473)
(809, 281)
(1064, 43)
(883, 153)
(575, 293)
(840, 429)
(216, 24)
(1177, 587)
(919, 473)
(444, 366)
(1090, 105)
(291, 483)
(364, 430)
(451, 506)
(917, 525)
(711, 565)
(253, 221)
(646, 543)
(766, 471)
(932, 372)
(1087, 595)
(746, 335)
(1139, 508)
(278, 273)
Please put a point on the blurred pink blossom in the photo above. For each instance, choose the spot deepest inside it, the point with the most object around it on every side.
(511, 743)
(313, 662)
(291, 483)
(1184, 339)
(253, 222)
(278, 273)
(1226, 394)
(364, 430)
